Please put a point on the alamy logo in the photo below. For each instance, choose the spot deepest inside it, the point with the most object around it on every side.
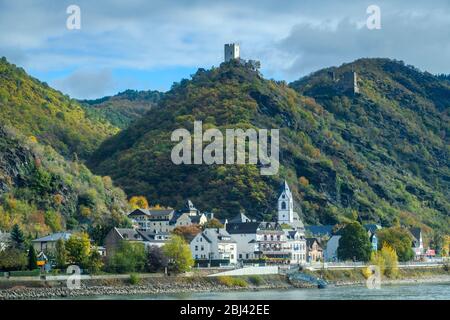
(73, 21)
(74, 279)
(374, 280)
(235, 147)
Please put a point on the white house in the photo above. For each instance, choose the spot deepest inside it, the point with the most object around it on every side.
(214, 244)
(296, 245)
(165, 220)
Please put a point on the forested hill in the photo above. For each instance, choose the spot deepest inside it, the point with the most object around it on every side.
(35, 109)
(122, 109)
(42, 192)
(44, 186)
(382, 154)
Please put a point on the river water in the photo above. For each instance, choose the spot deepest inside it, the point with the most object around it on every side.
(422, 291)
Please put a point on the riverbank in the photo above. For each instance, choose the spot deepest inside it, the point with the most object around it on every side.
(199, 283)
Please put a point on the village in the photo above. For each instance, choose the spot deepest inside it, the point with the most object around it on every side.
(226, 243)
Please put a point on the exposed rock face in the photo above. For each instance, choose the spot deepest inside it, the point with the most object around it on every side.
(15, 162)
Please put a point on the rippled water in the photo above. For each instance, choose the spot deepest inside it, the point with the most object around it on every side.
(422, 291)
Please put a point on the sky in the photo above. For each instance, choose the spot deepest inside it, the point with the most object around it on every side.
(149, 44)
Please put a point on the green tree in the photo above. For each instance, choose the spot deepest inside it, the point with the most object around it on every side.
(128, 257)
(17, 237)
(78, 249)
(60, 254)
(95, 262)
(12, 259)
(399, 239)
(354, 243)
(179, 254)
(32, 258)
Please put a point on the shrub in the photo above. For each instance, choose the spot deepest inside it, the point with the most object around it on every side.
(135, 279)
(232, 282)
(255, 280)
(129, 257)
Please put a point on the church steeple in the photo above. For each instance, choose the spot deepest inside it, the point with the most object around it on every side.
(285, 205)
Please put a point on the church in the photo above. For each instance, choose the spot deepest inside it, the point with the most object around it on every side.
(286, 213)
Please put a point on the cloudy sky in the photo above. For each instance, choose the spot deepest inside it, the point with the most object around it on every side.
(149, 44)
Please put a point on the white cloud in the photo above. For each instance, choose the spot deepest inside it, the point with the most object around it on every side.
(291, 38)
(86, 83)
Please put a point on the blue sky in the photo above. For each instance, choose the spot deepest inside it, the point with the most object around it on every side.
(149, 44)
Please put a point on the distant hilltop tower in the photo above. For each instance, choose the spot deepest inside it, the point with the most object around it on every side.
(349, 82)
(231, 51)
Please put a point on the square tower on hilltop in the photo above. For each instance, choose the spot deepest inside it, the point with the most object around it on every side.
(231, 51)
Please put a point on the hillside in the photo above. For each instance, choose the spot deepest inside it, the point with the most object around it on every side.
(122, 109)
(43, 192)
(35, 109)
(336, 168)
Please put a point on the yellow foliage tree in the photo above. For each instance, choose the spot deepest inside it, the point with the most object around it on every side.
(390, 260)
(303, 181)
(446, 246)
(138, 202)
(377, 259)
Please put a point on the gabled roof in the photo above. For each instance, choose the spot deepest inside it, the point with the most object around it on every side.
(252, 227)
(245, 228)
(320, 230)
(129, 234)
(285, 188)
(219, 235)
(310, 242)
(54, 237)
(372, 228)
(416, 233)
(151, 212)
(152, 237)
(239, 218)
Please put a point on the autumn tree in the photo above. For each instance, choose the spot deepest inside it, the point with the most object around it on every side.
(213, 223)
(78, 248)
(390, 260)
(187, 232)
(399, 239)
(138, 202)
(179, 254)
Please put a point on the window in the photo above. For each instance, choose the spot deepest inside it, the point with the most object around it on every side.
(196, 248)
(283, 205)
(202, 248)
(240, 256)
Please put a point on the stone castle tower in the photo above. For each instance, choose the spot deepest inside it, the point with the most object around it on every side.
(349, 82)
(231, 51)
(285, 205)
